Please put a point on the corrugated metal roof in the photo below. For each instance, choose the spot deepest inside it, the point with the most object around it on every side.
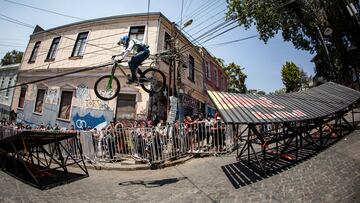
(316, 102)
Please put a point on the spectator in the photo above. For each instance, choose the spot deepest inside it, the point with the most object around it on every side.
(189, 133)
(200, 132)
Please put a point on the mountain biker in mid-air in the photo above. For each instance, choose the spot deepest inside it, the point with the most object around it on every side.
(141, 52)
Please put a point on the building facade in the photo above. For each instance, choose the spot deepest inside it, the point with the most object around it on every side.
(8, 76)
(215, 78)
(70, 100)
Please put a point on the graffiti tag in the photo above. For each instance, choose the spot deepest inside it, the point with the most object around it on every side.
(82, 92)
(52, 96)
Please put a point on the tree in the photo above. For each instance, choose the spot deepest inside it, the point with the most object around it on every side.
(12, 57)
(255, 91)
(303, 22)
(304, 79)
(291, 78)
(236, 76)
(280, 91)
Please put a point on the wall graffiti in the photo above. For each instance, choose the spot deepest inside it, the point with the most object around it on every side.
(32, 92)
(84, 99)
(52, 96)
(97, 104)
(82, 92)
(20, 117)
(88, 121)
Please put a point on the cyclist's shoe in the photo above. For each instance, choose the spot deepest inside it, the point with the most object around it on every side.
(132, 80)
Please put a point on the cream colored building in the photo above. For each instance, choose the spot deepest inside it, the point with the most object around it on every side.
(70, 100)
(8, 75)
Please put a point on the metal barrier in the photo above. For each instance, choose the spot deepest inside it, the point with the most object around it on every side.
(150, 145)
(156, 144)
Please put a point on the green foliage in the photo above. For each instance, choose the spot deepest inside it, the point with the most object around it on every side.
(303, 23)
(12, 57)
(280, 91)
(236, 77)
(291, 77)
(304, 79)
(255, 91)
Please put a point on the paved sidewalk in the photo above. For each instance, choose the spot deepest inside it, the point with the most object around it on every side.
(331, 176)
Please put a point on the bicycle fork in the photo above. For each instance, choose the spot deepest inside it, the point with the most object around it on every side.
(109, 85)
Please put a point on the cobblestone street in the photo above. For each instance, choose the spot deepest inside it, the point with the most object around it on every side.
(331, 176)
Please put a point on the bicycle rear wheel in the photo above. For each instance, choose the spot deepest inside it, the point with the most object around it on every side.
(154, 81)
(107, 87)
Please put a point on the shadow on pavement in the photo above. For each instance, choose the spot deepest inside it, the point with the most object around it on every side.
(45, 178)
(153, 183)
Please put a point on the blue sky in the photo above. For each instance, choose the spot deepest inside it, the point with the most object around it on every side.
(262, 62)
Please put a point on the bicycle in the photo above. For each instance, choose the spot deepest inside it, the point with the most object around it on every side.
(107, 87)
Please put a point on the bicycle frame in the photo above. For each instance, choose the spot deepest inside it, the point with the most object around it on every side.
(115, 64)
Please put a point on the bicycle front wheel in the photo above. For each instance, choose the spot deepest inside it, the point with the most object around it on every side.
(107, 87)
(155, 81)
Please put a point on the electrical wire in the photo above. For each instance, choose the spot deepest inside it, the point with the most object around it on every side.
(45, 10)
(59, 75)
(198, 9)
(47, 31)
(206, 20)
(202, 10)
(199, 17)
(233, 41)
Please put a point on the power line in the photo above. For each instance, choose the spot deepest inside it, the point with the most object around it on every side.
(59, 75)
(45, 52)
(207, 34)
(206, 20)
(202, 10)
(210, 10)
(233, 41)
(221, 33)
(216, 29)
(54, 33)
(45, 10)
(198, 9)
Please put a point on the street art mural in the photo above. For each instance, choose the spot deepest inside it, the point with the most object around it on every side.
(84, 99)
(33, 92)
(82, 92)
(88, 121)
(97, 104)
(52, 96)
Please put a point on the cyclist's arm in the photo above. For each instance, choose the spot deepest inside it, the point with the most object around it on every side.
(129, 48)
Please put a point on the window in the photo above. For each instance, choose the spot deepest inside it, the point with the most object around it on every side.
(137, 32)
(218, 82)
(22, 97)
(79, 46)
(34, 52)
(208, 73)
(65, 105)
(126, 106)
(39, 103)
(2, 85)
(9, 84)
(167, 41)
(191, 69)
(223, 83)
(216, 76)
(53, 48)
(167, 46)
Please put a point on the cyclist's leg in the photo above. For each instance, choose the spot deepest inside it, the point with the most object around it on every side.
(138, 59)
